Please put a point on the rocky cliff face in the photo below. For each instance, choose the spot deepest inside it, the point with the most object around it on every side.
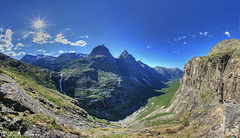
(210, 87)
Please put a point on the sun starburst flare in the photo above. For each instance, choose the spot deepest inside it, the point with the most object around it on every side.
(40, 35)
(39, 24)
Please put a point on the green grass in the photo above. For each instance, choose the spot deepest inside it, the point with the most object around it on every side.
(157, 115)
(170, 82)
(158, 122)
(41, 119)
(102, 121)
(162, 101)
(203, 96)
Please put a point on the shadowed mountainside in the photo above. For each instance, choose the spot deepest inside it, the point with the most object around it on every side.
(109, 87)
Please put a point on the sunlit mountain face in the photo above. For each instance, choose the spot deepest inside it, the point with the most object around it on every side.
(159, 33)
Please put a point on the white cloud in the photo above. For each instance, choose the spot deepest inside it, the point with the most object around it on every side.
(148, 46)
(48, 54)
(68, 29)
(175, 51)
(84, 36)
(60, 51)
(72, 51)
(41, 50)
(52, 42)
(180, 38)
(227, 34)
(18, 46)
(1, 29)
(204, 33)
(6, 45)
(12, 53)
(6, 41)
(41, 37)
(184, 43)
(61, 39)
(26, 35)
(80, 43)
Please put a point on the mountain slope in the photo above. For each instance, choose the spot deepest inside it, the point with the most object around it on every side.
(108, 87)
(27, 106)
(51, 62)
(170, 73)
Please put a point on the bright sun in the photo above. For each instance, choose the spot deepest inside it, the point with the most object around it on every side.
(38, 25)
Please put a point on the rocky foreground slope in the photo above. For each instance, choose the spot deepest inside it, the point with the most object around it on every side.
(29, 108)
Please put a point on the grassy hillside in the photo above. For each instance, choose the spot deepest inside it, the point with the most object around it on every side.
(38, 75)
(163, 101)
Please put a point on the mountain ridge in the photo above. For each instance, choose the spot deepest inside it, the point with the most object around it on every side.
(102, 83)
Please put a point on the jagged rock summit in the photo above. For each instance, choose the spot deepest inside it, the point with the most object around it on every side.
(100, 50)
(126, 56)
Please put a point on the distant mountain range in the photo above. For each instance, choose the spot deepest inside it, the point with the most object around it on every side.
(105, 86)
(50, 61)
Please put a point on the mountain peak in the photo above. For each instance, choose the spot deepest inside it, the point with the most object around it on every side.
(126, 55)
(100, 50)
(225, 46)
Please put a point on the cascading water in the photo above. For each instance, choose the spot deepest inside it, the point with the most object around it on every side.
(60, 84)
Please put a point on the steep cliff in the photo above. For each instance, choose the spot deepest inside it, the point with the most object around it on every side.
(210, 91)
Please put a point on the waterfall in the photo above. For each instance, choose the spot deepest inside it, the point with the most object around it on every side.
(60, 84)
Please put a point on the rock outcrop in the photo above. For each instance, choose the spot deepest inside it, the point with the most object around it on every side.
(210, 86)
(16, 105)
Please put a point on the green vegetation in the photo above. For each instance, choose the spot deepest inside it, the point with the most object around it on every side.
(158, 122)
(41, 119)
(27, 82)
(102, 121)
(219, 54)
(38, 75)
(157, 115)
(162, 101)
(170, 82)
(203, 96)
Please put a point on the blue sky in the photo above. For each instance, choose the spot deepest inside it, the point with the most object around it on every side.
(157, 32)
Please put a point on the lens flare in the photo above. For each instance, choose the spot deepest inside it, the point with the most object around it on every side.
(38, 25)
